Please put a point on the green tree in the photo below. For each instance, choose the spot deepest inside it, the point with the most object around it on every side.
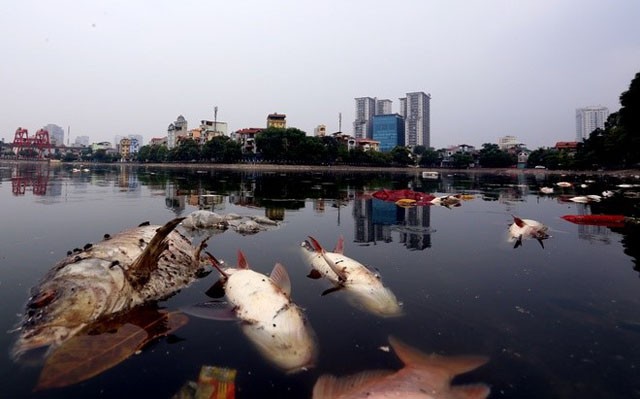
(461, 160)
(430, 158)
(277, 144)
(186, 151)
(491, 156)
(401, 156)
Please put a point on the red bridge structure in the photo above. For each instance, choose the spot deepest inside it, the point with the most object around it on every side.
(39, 143)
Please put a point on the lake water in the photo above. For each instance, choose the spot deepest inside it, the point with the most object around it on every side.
(561, 321)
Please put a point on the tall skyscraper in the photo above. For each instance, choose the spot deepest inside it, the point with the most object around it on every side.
(365, 109)
(56, 134)
(589, 119)
(383, 107)
(415, 108)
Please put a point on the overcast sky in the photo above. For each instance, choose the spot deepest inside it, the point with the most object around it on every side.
(493, 68)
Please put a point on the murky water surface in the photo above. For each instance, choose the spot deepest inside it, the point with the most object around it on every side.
(559, 321)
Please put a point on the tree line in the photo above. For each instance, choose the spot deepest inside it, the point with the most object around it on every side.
(616, 146)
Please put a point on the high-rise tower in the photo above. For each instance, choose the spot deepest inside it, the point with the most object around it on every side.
(415, 108)
(365, 109)
(589, 119)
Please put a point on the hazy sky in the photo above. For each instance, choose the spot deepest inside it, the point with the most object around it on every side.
(493, 68)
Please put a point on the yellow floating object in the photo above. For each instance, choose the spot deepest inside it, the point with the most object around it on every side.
(406, 202)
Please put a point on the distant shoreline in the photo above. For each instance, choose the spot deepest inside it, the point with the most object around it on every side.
(623, 173)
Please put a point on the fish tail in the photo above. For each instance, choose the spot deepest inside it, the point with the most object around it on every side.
(450, 365)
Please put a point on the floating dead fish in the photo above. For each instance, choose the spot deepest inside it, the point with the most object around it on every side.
(264, 220)
(131, 268)
(447, 200)
(564, 184)
(527, 228)
(271, 321)
(546, 190)
(204, 220)
(362, 285)
(423, 376)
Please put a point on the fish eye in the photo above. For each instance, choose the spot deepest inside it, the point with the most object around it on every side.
(42, 299)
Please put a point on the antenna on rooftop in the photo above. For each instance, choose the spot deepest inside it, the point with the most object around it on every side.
(215, 119)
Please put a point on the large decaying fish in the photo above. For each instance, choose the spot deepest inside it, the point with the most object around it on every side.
(527, 228)
(362, 284)
(423, 376)
(128, 269)
(271, 321)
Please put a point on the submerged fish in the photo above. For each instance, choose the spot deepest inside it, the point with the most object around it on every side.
(123, 271)
(362, 284)
(271, 321)
(423, 376)
(527, 228)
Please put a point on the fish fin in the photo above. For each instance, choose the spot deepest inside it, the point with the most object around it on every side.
(338, 271)
(280, 277)
(444, 367)
(329, 386)
(216, 291)
(211, 310)
(340, 245)
(216, 263)
(518, 241)
(316, 245)
(471, 391)
(200, 248)
(541, 243)
(332, 289)
(314, 274)
(139, 272)
(242, 261)
(519, 222)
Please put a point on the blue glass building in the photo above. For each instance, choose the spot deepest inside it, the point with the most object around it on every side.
(389, 131)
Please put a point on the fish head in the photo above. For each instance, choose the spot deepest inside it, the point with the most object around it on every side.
(292, 347)
(374, 298)
(56, 311)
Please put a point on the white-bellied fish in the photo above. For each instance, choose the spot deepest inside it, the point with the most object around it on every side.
(423, 376)
(273, 323)
(363, 285)
(527, 228)
(128, 269)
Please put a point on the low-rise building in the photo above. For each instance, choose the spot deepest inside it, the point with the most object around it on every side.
(247, 139)
(277, 120)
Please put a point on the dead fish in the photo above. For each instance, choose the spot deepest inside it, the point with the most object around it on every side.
(272, 322)
(423, 376)
(109, 277)
(263, 220)
(527, 228)
(363, 285)
(447, 200)
(546, 190)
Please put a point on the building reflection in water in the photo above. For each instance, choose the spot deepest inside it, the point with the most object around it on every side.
(591, 233)
(30, 177)
(376, 220)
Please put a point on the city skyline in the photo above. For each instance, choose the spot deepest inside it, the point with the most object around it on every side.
(492, 68)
